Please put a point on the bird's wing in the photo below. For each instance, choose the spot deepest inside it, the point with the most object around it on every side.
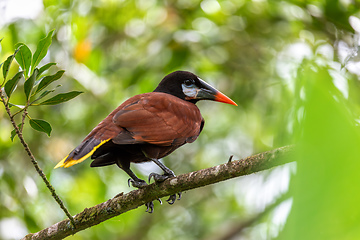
(158, 118)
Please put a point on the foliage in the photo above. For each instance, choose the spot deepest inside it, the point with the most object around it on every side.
(35, 85)
(291, 66)
(324, 189)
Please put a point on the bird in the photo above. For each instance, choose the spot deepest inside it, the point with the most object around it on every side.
(148, 127)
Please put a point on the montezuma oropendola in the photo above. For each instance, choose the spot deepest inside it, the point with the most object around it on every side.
(148, 127)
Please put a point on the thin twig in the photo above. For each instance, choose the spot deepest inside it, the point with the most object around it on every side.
(25, 113)
(122, 203)
(32, 158)
(16, 113)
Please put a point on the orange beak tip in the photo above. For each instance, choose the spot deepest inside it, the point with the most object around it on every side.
(220, 97)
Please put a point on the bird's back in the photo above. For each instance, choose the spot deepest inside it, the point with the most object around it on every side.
(149, 125)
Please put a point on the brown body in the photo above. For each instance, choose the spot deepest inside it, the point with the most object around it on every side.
(146, 126)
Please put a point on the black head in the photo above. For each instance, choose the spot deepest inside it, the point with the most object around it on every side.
(189, 87)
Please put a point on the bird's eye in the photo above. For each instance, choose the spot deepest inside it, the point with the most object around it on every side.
(188, 82)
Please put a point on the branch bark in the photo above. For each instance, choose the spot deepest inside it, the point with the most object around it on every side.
(122, 203)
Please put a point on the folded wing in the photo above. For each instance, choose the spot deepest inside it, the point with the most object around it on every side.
(160, 119)
(151, 118)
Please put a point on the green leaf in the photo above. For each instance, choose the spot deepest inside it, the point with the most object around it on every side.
(16, 105)
(23, 57)
(45, 93)
(44, 68)
(60, 98)
(49, 79)
(7, 64)
(41, 126)
(28, 86)
(42, 49)
(13, 133)
(12, 83)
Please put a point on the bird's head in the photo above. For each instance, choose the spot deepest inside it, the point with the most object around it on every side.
(190, 87)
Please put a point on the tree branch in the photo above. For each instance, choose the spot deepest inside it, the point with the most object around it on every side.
(31, 156)
(122, 203)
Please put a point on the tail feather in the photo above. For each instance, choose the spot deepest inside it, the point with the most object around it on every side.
(81, 152)
(104, 160)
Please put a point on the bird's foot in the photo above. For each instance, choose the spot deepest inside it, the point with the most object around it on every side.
(140, 184)
(137, 183)
(150, 206)
(160, 178)
(172, 198)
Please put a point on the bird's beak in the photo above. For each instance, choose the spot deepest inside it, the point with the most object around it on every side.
(208, 92)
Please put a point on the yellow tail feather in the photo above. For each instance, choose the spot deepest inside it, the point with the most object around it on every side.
(61, 163)
(70, 162)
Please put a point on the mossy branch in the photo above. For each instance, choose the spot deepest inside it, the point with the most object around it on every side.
(122, 203)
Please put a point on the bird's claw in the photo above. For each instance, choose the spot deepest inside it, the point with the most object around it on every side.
(161, 178)
(137, 184)
(141, 184)
(149, 206)
(172, 198)
(158, 177)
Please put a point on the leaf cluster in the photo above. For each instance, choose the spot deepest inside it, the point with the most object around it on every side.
(36, 82)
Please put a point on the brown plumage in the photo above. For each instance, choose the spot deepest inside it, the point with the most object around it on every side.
(148, 127)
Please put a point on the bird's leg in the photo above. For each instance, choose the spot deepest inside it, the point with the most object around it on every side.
(134, 180)
(168, 173)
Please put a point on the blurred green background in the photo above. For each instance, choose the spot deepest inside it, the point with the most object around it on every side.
(291, 66)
